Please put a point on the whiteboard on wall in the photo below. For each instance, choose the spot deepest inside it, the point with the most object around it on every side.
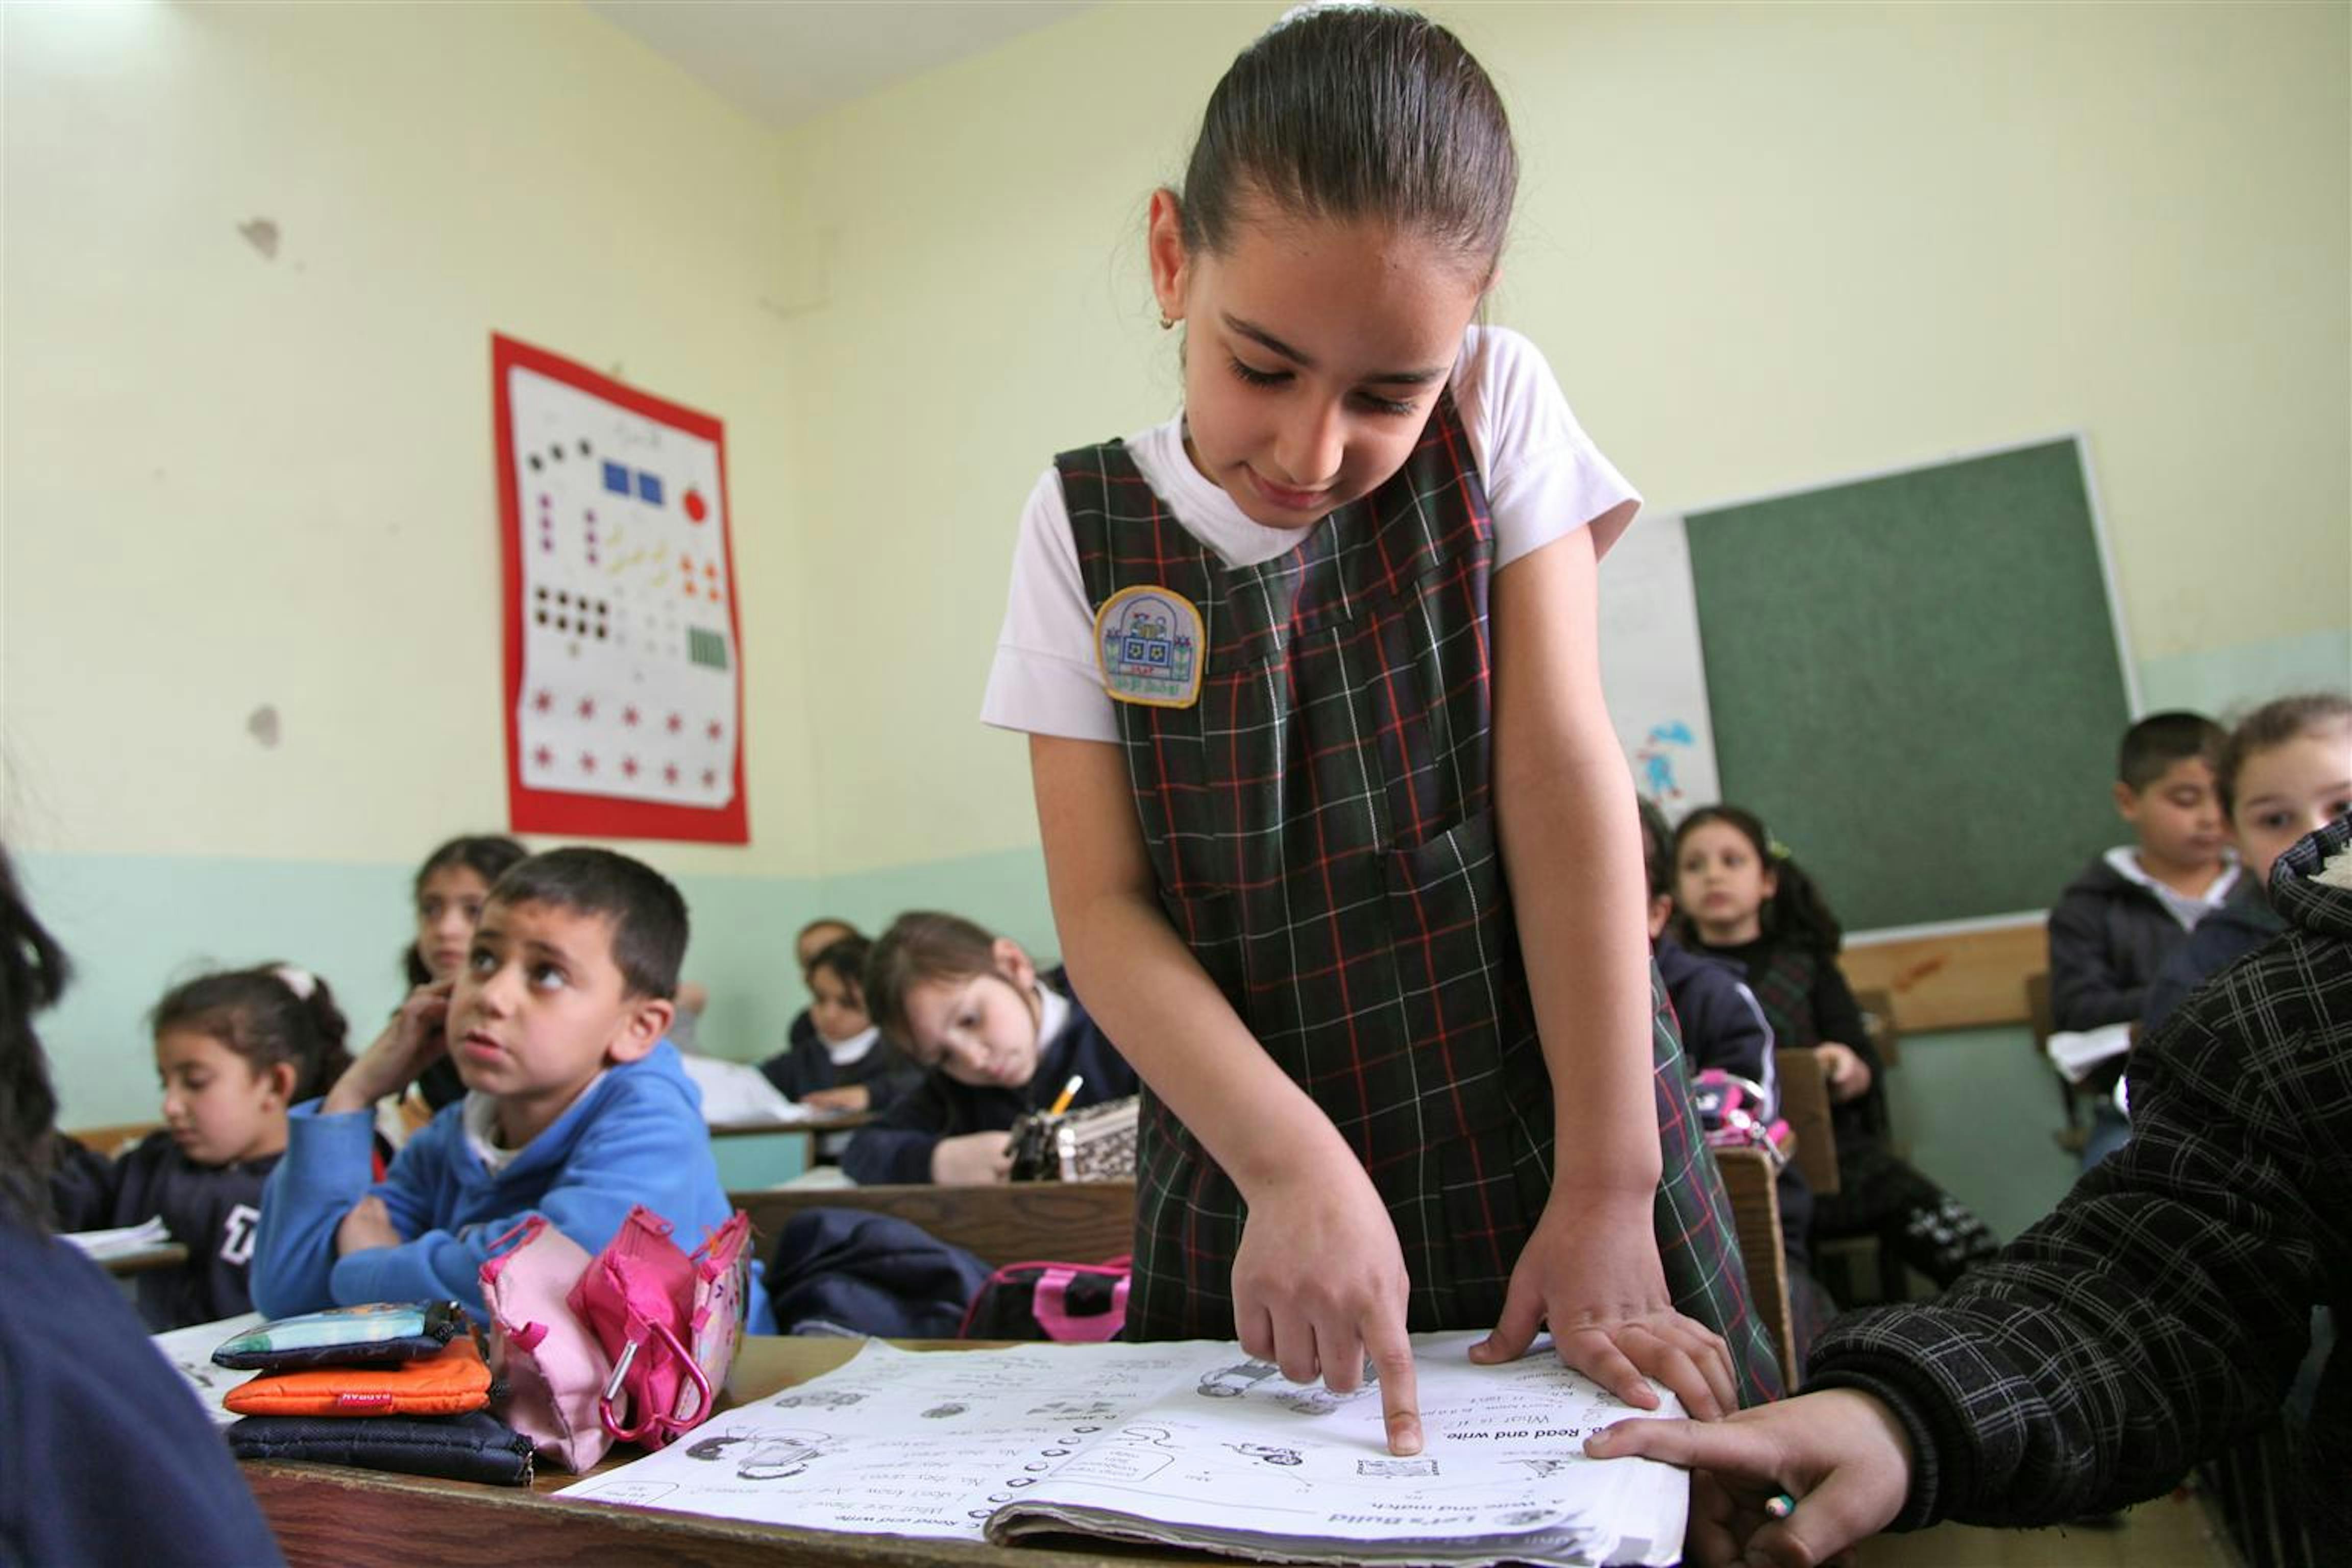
(1652, 668)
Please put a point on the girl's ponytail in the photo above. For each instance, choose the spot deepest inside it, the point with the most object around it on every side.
(321, 1055)
(1798, 914)
(270, 1013)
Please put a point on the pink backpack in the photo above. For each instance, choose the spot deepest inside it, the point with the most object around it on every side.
(553, 1368)
(1069, 1303)
(671, 1323)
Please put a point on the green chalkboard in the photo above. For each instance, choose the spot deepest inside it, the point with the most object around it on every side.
(1914, 680)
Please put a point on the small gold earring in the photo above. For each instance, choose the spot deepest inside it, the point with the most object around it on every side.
(1165, 321)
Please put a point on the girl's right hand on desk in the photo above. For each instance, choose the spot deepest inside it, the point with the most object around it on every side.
(409, 1044)
(1319, 1283)
(971, 1160)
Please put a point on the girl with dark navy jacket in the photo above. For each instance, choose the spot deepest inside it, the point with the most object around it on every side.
(234, 1050)
(1744, 900)
(997, 1038)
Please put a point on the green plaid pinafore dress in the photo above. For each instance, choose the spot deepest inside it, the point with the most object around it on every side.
(1322, 826)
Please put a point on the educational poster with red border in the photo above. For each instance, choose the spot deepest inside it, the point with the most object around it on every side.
(623, 649)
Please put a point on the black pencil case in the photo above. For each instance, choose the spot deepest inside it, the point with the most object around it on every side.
(475, 1446)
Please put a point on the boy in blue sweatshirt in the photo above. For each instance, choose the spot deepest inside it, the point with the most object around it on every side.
(576, 1109)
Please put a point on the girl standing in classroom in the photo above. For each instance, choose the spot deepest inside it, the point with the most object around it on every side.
(1341, 845)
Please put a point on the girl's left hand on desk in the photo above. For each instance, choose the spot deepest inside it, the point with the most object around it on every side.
(1591, 1272)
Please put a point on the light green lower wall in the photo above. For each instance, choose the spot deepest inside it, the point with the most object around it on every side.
(1979, 1112)
(136, 924)
(2224, 682)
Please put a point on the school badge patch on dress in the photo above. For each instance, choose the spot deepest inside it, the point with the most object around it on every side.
(1148, 643)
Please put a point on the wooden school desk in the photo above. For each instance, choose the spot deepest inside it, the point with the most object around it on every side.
(162, 1255)
(1011, 1222)
(811, 1130)
(333, 1516)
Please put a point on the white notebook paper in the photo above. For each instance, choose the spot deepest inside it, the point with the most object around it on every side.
(1190, 1443)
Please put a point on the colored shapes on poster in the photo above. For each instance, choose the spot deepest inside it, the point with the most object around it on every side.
(594, 630)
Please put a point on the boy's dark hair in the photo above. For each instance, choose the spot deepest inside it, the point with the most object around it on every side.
(921, 945)
(488, 854)
(1657, 848)
(2274, 724)
(33, 974)
(845, 961)
(269, 1014)
(1796, 913)
(2160, 739)
(648, 915)
(1356, 112)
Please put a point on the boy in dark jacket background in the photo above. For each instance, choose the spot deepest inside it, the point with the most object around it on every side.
(2133, 908)
(2129, 908)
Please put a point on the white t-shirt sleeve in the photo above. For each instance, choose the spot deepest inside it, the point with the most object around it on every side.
(1545, 478)
(1045, 680)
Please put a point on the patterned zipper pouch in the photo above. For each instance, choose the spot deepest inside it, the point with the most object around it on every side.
(379, 1331)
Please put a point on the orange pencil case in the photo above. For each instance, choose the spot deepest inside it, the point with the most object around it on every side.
(450, 1384)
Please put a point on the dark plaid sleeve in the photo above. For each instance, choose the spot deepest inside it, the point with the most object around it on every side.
(2162, 1307)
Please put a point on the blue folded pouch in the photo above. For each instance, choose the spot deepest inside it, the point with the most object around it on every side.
(379, 1331)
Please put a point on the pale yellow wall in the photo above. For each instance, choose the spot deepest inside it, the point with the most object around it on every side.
(233, 480)
(1764, 246)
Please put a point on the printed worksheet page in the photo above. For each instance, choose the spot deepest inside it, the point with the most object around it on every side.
(1193, 1443)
